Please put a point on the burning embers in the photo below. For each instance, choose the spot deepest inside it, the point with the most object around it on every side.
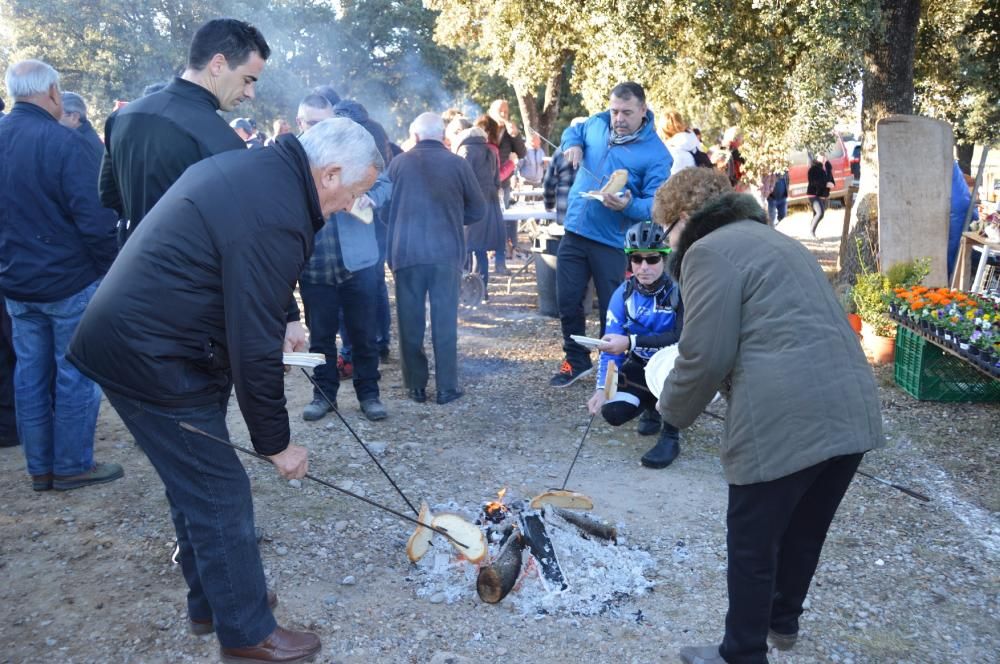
(517, 542)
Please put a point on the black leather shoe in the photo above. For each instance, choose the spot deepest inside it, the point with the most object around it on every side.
(448, 396)
(666, 449)
(9, 440)
(649, 423)
(418, 394)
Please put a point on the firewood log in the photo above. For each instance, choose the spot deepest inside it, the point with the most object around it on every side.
(588, 524)
(497, 579)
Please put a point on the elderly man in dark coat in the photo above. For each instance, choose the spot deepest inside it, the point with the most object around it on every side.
(763, 324)
(435, 195)
(195, 307)
(56, 242)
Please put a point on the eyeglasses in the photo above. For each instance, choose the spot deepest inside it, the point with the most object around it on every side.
(650, 260)
(670, 228)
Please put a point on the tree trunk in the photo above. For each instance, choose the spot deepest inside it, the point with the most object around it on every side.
(965, 151)
(543, 120)
(887, 89)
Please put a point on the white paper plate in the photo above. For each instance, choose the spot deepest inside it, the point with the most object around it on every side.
(308, 360)
(659, 367)
(587, 342)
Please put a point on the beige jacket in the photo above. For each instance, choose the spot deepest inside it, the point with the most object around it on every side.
(761, 318)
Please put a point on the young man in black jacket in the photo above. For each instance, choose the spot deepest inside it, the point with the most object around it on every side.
(195, 306)
(153, 140)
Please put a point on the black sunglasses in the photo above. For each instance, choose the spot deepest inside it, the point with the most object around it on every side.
(650, 260)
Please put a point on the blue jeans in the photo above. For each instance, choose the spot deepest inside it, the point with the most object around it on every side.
(56, 404)
(212, 510)
(777, 209)
(323, 304)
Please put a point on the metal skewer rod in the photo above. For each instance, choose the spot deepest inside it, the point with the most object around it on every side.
(578, 448)
(358, 438)
(405, 517)
(581, 166)
(909, 492)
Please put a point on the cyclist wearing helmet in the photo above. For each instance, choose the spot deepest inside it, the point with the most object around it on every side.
(644, 315)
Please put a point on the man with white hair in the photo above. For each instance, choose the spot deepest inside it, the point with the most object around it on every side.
(224, 246)
(56, 242)
(75, 117)
(435, 194)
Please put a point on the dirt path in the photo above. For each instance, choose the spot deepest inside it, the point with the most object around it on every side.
(87, 576)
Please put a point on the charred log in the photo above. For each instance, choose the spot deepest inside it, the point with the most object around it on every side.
(497, 579)
(588, 524)
(541, 548)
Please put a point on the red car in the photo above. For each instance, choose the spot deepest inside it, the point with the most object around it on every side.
(799, 161)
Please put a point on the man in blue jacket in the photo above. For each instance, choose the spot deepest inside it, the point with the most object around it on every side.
(620, 138)
(56, 242)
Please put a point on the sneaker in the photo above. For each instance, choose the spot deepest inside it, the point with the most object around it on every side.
(568, 375)
(701, 655)
(782, 641)
(374, 410)
(316, 410)
(344, 368)
(649, 423)
(99, 474)
(666, 449)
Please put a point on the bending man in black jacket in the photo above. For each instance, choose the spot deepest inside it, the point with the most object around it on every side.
(194, 306)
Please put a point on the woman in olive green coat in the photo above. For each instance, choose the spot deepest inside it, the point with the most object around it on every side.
(763, 325)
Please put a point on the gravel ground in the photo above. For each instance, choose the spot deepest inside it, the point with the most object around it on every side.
(88, 576)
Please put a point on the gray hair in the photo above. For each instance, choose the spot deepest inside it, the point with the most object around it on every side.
(29, 78)
(73, 103)
(341, 142)
(428, 126)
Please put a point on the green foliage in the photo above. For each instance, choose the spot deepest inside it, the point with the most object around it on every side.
(873, 290)
(957, 57)
(380, 52)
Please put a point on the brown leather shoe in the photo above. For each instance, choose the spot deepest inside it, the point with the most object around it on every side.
(283, 645)
(205, 626)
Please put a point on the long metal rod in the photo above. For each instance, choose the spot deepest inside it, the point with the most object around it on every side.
(909, 492)
(580, 166)
(406, 517)
(358, 438)
(578, 448)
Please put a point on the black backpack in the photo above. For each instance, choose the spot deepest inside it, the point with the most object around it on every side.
(701, 159)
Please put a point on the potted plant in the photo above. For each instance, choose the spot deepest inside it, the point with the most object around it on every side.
(872, 295)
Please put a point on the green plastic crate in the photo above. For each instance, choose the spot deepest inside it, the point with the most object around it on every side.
(929, 373)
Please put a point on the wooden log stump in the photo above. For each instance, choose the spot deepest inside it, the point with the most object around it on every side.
(497, 579)
(588, 524)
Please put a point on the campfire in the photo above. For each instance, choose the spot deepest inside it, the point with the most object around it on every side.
(549, 550)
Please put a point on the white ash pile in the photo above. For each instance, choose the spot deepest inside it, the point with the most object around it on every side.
(547, 556)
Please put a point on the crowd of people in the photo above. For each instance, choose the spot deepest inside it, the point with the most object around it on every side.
(159, 266)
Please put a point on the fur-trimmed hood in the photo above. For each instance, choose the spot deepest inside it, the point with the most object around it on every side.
(712, 216)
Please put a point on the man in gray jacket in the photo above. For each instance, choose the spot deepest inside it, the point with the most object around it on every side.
(762, 322)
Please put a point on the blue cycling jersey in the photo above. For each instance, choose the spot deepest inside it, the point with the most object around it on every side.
(652, 321)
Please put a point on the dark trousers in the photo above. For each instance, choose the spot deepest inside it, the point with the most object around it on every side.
(414, 285)
(630, 401)
(579, 260)
(480, 262)
(382, 320)
(323, 304)
(775, 533)
(8, 420)
(212, 510)
(819, 209)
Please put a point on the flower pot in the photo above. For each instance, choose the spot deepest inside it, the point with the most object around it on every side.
(880, 349)
(855, 321)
